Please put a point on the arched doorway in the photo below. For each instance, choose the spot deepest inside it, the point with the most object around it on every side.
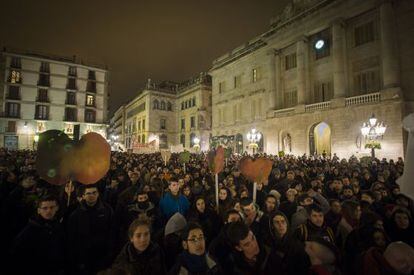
(320, 139)
(239, 144)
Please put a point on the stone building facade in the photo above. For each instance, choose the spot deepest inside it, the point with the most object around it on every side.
(320, 71)
(169, 113)
(39, 93)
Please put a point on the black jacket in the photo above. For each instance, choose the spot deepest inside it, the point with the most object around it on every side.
(39, 248)
(89, 236)
(151, 261)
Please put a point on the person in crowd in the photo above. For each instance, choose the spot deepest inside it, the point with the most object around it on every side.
(323, 256)
(351, 214)
(315, 227)
(289, 206)
(252, 216)
(248, 256)
(334, 215)
(89, 233)
(401, 227)
(140, 256)
(225, 200)
(194, 259)
(287, 254)
(173, 202)
(40, 246)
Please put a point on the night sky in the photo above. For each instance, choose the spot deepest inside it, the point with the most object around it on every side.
(161, 40)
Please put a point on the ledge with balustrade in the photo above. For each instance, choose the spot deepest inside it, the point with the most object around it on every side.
(388, 94)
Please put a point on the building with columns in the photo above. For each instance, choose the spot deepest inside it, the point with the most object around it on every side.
(319, 72)
(170, 113)
(43, 92)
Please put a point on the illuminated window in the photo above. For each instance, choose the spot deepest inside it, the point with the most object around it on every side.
(90, 100)
(15, 77)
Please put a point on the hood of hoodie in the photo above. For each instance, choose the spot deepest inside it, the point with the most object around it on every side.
(175, 224)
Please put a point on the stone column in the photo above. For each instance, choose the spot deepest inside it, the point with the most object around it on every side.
(338, 56)
(390, 62)
(272, 80)
(301, 60)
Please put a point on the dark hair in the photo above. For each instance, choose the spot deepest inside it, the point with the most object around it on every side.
(245, 202)
(302, 197)
(83, 188)
(331, 201)
(141, 221)
(172, 179)
(315, 208)
(228, 213)
(236, 232)
(190, 226)
(368, 193)
(46, 198)
(270, 196)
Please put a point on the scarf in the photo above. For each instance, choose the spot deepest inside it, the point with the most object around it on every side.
(194, 263)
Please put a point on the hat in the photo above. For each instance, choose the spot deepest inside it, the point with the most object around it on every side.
(175, 224)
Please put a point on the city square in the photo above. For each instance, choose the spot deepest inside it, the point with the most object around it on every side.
(254, 138)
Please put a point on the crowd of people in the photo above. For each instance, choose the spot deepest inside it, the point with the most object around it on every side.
(314, 215)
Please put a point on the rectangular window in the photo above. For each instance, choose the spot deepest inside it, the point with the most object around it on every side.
(91, 75)
(71, 98)
(14, 93)
(237, 81)
(323, 92)
(44, 80)
(90, 100)
(44, 67)
(91, 86)
(71, 85)
(290, 61)
(182, 123)
(143, 124)
(71, 114)
(182, 140)
(221, 87)
(367, 82)
(364, 33)
(15, 62)
(89, 115)
(11, 126)
(291, 99)
(139, 125)
(192, 122)
(72, 71)
(163, 124)
(254, 75)
(12, 109)
(134, 125)
(42, 112)
(42, 95)
(15, 77)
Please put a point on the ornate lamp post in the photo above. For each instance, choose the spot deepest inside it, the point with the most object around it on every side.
(196, 146)
(253, 137)
(372, 131)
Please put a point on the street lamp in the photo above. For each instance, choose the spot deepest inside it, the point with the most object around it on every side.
(196, 146)
(253, 137)
(372, 131)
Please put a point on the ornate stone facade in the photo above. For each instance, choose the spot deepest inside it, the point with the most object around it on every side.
(283, 82)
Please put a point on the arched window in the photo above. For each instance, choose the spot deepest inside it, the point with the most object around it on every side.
(155, 104)
(169, 106)
(182, 140)
(162, 105)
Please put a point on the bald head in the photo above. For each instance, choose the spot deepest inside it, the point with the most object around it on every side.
(400, 256)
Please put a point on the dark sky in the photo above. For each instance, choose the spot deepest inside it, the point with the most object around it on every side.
(163, 40)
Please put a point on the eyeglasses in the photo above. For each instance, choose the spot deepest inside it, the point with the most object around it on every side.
(196, 240)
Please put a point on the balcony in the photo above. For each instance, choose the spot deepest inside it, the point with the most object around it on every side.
(42, 99)
(317, 106)
(283, 112)
(13, 96)
(363, 99)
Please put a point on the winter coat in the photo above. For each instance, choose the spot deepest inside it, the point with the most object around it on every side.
(151, 261)
(40, 246)
(374, 263)
(302, 215)
(169, 205)
(308, 232)
(89, 236)
(236, 263)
